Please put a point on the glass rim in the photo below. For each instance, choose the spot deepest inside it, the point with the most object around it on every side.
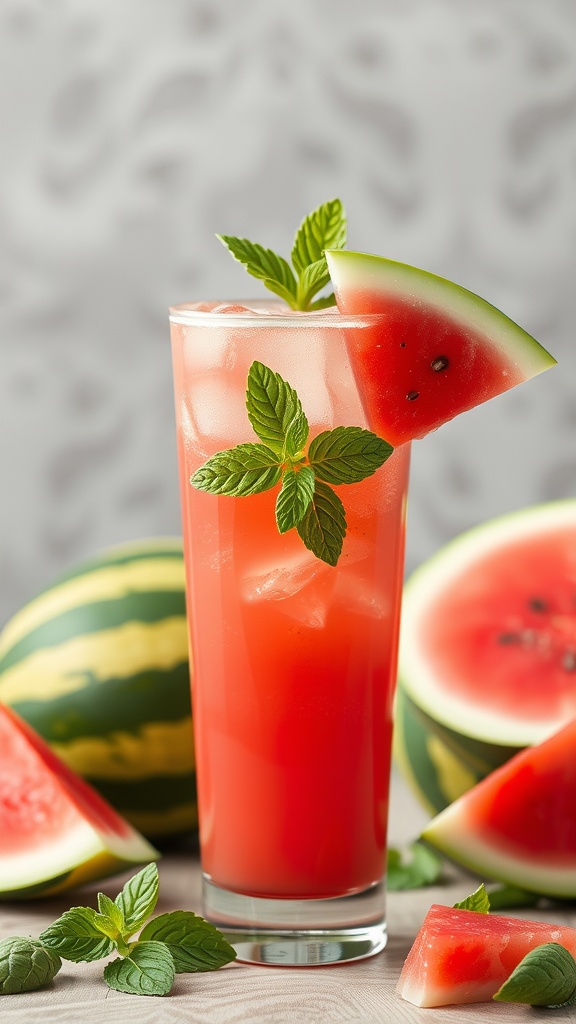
(262, 313)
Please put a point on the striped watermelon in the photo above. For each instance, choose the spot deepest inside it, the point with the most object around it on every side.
(98, 665)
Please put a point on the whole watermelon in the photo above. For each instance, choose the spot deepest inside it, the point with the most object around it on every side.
(98, 665)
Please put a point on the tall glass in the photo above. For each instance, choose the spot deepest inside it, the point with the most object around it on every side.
(294, 660)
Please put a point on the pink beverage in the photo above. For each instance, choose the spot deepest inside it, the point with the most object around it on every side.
(294, 660)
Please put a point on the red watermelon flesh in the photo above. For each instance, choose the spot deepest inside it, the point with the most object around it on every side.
(40, 797)
(441, 350)
(518, 825)
(460, 956)
(52, 823)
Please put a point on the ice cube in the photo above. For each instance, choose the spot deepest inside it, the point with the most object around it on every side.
(301, 359)
(301, 583)
(360, 596)
(216, 409)
(208, 348)
(278, 581)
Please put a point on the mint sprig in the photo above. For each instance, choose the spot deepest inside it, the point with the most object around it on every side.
(178, 942)
(324, 228)
(305, 502)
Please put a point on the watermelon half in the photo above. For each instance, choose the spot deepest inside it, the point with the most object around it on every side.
(443, 350)
(460, 956)
(56, 832)
(488, 636)
(518, 825)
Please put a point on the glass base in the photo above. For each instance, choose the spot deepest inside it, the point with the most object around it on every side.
(299, 933)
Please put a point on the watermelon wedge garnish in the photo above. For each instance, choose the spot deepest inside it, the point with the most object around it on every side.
(440, 351)
(518, 825)
(56, 832)
(460, 956)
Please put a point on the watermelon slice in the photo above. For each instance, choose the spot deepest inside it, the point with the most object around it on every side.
(56, 832)
(518, 824)
(443, 349)
(460, 956)
(488, 637)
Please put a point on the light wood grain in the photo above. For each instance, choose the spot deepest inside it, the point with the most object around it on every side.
(361, 993)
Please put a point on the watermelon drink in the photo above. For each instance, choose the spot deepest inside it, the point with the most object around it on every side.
(294, 658)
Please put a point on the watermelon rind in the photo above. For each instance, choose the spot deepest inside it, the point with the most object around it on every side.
(439, 764)
(364, 273)
(417, 676)
(98, 665)
(82, 855)
(515, 826)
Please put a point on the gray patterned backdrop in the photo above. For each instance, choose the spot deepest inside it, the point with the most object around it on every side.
(132, 130)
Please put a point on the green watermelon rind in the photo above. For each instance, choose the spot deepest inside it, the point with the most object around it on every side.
(370, 274)
(417, 735)
(453, 833)
(437, 575)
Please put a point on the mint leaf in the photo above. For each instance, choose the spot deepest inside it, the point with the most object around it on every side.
(239, 472)
(265, 265)
(148, 971)
(545, 977)
(108, 909)
(323, 526)
(26, 965)
(423, 868)
(294, 497)
(479, 901)
(76, 936)
(138, 898)
(195, 944)
(324, 228)
(275, 411)
(347, 455)
(313, 278)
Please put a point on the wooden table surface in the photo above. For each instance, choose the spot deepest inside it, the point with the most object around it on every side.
(360, 993)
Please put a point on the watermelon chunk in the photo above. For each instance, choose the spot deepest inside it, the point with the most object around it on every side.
(518, 824)
(460, 956)
(55, 830)
(443, 349)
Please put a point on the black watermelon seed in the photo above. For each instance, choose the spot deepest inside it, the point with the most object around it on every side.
(412, 395)
(538, 604)
(402, 344)
(509, 638)
(569, 661)
(439, 364)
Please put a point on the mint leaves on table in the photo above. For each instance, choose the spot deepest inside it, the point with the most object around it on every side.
(324, 228)
(422, 868)
(305, 502)
(173, 943)
(25, 965)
